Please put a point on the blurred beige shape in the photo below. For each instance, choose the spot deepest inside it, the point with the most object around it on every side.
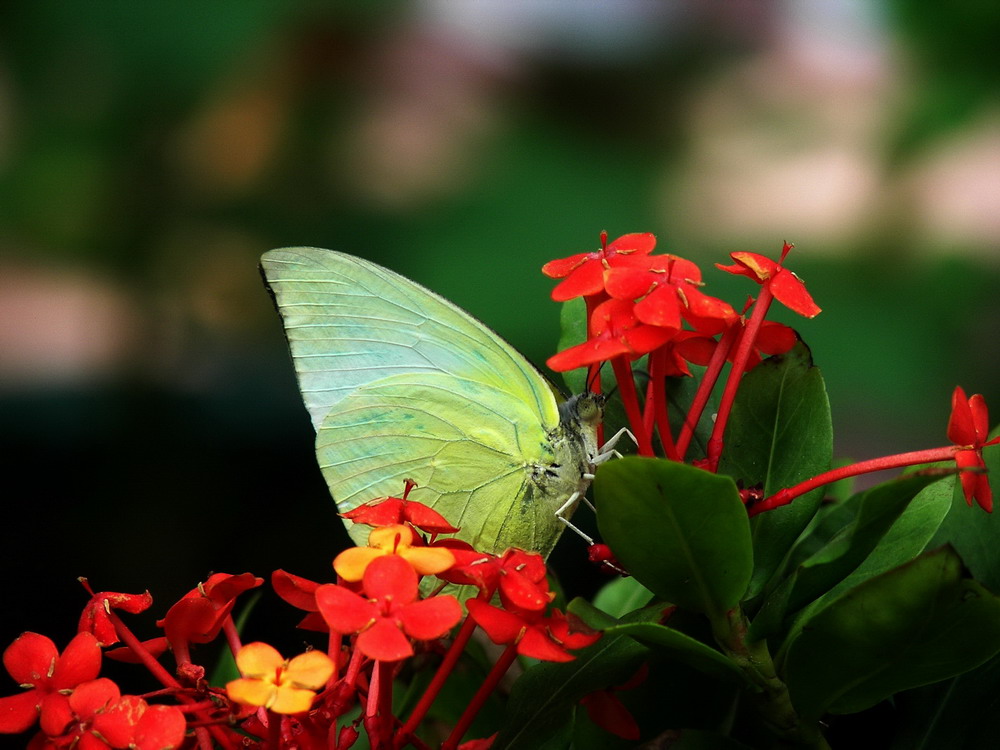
(954, 190)
(787, 146)
(60, 327)
(431, 105)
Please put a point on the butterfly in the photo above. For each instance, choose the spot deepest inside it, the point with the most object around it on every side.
(402, 384)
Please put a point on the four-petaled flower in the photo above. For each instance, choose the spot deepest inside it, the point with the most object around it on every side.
(389, 613)
(583, 274)
(535, 635)
(968, 427)
(786, 287)
(388, 511)
(285, 686)
(398, 540)
(35, 663)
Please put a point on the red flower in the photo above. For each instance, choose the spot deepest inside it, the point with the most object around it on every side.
(786, 287)
(389, 511)
(199, 615)
(391, 613)
(95, 617)
(668, 286)
(536, 636)
(968, 427)
(520, 576)
(34, 662)
(615, 331)
(606, 710)
(399, 540)
(583, 273)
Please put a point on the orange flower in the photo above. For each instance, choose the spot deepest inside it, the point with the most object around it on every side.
(397, 539)
(282, 685)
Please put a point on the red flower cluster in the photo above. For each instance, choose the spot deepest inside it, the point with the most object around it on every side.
(375, 617)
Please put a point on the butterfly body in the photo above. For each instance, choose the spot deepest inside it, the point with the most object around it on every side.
(402, 384)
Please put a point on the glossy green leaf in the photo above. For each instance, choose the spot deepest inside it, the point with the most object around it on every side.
(914, 625)
(683, 648)
(778, 435)
(622, 595)
(877, 511)
(681, 532)
(962, 713)
(540, 709)
(972, 531)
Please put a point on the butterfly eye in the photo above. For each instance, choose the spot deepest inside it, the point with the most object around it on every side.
(590, 407)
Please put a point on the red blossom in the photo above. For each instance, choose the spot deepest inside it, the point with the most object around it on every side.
(520, 576)
(614, 331)
(583, 273)
(536, 636)
(200, 613)
(35, 663)
(388, 511)
(968, 427)
(95, 617)
(389, 613)
(786, 287)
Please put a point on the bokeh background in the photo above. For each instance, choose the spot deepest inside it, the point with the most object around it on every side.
(150, 427)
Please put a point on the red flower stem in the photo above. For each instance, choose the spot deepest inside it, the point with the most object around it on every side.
(333, 649)
(594, 371)
(740, 360)
(166, 679)
(273, 731)
(785, 496)
(232, 635)
(378, 709)
(657, 398)
(437, 682)
(630, 399)
(705, 388)
(479, 699)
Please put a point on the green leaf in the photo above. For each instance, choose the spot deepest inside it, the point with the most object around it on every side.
(962, 713)
(683, 533)
(622, 595)
(779, 434)
(877, 510)
(540, 709)
(914, 625)
(683, 648)
(973, 532)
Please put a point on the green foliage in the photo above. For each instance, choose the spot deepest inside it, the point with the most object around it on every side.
(682, 532)
(779, 434)
(919, 623)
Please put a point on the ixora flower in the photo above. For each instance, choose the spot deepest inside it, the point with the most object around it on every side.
(969, 427)
(786, 287)
(583, 273)
(389, 613)
(520, 576)
(389, 511)
(397, 540)
(285, 686)
(35, 663)
(536, 636)
(96, 716)
(200, 613)
(96, 617)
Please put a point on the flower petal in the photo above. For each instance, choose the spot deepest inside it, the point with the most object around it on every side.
(500, 626)
(259, 660)
(80, 661)
(19, 712)
(384, 641)
(430, 618)
(30, 658)
(789, 290)
(251, 692)
(160, 728)
(537, 644)
(428, 561)
(292, 700)
(392, 577)
(353, 561)
(309, 670)
(344, 611)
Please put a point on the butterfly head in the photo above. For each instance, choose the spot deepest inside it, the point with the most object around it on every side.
(585, 409)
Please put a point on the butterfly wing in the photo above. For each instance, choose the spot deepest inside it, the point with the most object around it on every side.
(400, 383)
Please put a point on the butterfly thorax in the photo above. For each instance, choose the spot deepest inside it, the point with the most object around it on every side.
(571, 448)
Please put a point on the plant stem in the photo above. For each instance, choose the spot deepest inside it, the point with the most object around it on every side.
(485, 690)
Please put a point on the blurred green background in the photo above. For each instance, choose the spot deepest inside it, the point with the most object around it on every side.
(151, 151)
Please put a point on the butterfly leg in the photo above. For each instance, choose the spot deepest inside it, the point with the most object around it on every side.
(566, 506)
(607, 451)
